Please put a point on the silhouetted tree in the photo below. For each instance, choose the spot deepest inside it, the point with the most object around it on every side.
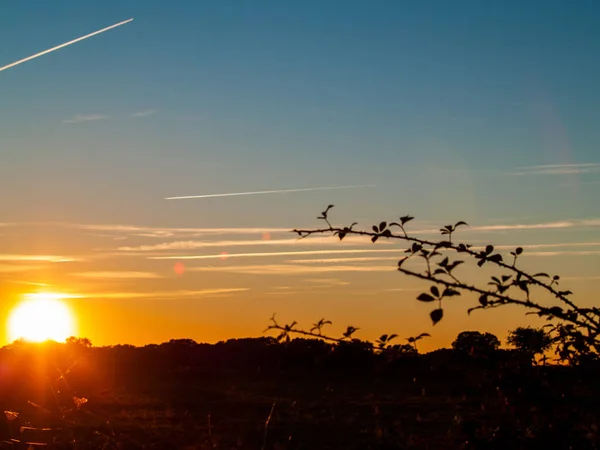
(531, 341)
(474, 342)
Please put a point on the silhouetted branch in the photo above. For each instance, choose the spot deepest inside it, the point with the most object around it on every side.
(440, 271)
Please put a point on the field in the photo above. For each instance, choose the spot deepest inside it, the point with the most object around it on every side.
(423, 402)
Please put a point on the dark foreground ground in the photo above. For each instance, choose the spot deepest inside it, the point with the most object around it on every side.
(437, 402)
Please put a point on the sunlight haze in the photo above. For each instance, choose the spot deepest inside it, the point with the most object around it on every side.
(152, 174)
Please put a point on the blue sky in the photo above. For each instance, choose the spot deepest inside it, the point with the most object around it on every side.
(453, 110)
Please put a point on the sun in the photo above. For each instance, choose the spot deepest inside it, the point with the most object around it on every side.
(41, 317)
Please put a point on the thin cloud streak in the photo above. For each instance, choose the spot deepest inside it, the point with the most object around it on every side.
(165, 232)
(117, 275)
(85, 118)
(146, 113)
(164, 295)
(291, 269)
(10, 268)
(58, 47)
(194, 245)
(38, 258)
(279, 191)
(343, 260)
(265, 254)
(564, 253)
(557, 169)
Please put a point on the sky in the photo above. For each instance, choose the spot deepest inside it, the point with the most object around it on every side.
(448, 111)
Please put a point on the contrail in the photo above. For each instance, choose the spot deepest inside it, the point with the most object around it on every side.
(279, 191)
(58, 47)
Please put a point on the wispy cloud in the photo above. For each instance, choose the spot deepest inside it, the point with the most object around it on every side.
(117, 275)
(165, 294)
(558, 169)
(266, 254)
(145, 113)
(592, 278)
(40, 258)
(292, 269)
(565, 253)
(85, 118)
(344, 260)
(58, 47)
(278, 191)
(194, 245)
(29, 283)
(328, 281)
(167, 232)
(536, 246)
(14, 268)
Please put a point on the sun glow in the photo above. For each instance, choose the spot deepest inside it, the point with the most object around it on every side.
(41, 317)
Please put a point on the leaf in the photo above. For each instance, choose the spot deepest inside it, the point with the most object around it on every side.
(489, 249)
(405, 219)
(541, 274)
(375, 229)
(556, 278)
(341, 235)
(436, 315)
(439, 271)
(422, 335)
(401, 262)
(457, 224)
(374, 238)
(434, 290)
(382, 226)
(556, 311)
(449, 292)
(483, 300)
(505, 278)
(416, 247)
(453, 266)
(383, 337)
(386, 233)
(565, 293)
(519, 250)
(481, 262)
(425, 298)
(497, 258)
(443, 262)
(523, 286)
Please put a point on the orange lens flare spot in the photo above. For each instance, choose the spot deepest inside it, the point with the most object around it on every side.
(223, 256)
(266, 236)
(179, 268)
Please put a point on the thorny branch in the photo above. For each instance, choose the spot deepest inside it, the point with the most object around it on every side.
(439, 270)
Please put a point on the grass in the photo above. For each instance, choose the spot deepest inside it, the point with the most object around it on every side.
(416, 406)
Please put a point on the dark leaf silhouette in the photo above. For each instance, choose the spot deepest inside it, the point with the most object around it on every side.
(425, 298)
(436, 315)
(483, 300)
(405, 219)
(449, 292)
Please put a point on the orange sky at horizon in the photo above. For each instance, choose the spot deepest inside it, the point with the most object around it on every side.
(121, 295)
